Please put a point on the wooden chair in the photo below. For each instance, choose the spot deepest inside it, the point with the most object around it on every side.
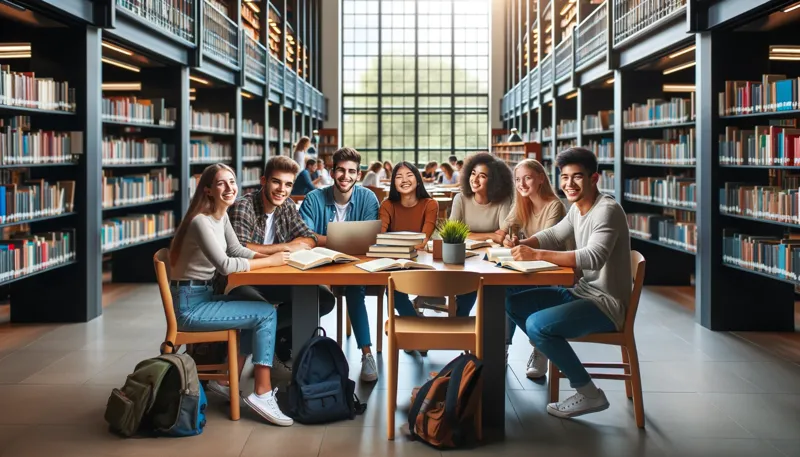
(372, 291)
(230, 372)
(379, 192)
(425, 333)
(625, 339)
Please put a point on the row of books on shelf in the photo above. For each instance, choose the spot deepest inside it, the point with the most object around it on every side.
(22, 198)
(126, 150)
(603, 149)
(657, 112)
(212, 122)
(606, 182)
(669, 190)
(676, 148)
(665, 229)
(600, 122)
(205, 150)
(547, 134)
(19, 145)
(252, 128)
(251, 176)
(776, 256)
(567, 127)
(138, 188)
(135, 228)
(26, 254)
(26, 90)
(774, 144)
(777, 203)
(139, 111)
(775, 92)
(273, 133)
(252, 151)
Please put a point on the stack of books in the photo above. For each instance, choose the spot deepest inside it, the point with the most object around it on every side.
(396, 245)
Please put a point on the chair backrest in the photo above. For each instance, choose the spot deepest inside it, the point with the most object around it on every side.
(637, 274)
(378, 191)
(161, 265)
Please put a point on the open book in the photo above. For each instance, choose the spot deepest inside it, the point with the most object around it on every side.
(307, 259)
(393, 264)
(530, 266)
(498, 255)
(476, 244)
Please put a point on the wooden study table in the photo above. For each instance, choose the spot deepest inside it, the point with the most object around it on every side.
(305, 312)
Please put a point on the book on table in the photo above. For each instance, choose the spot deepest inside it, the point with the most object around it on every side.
(395, 252)
(497, 255)
(393, 264)
(312, 258)
(400, 239)
(477, 244)
(528, 266)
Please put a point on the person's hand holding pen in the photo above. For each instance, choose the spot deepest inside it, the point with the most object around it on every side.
(511, 238)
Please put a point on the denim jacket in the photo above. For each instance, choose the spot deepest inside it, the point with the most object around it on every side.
(318, 208)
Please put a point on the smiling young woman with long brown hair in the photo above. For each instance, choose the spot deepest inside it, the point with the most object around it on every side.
(205, 244)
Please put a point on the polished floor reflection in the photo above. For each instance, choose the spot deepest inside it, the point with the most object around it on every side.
(706, 394)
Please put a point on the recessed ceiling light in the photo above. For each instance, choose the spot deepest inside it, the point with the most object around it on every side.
(119, 64)
(117, 48)
(792, 8)
(680, 67)
(682, 51)
(199, 80)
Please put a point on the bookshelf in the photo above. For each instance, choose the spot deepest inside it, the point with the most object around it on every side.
(133, 92)
(328, 144)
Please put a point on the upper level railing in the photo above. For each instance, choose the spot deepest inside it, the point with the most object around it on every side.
(275, 74)
(164, 15)
(255, 60)
(220, 35)
(547, 71)
(633, 16)
(525, 88)
(533, 81)
(564, 57)
(591, 36)
(289, 84)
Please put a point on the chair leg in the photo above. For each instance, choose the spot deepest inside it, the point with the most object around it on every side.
(379, 327)
(394, 356)
(233, 373)
(339, 311)
(636, 385)
(349, 327)
(554, 376)
(627, 372)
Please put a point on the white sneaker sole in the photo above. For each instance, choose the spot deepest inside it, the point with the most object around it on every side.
(569, 415)
(369, 377)
(531, 375)
(267, 417)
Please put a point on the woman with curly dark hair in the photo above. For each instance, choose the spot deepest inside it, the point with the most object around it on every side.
(487, 191)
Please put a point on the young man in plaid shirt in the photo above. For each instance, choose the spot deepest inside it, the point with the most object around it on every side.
(263, 223)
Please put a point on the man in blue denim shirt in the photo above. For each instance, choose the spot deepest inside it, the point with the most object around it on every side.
(344, 201)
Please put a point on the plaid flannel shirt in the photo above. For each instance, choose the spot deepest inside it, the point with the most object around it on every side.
(249, 223)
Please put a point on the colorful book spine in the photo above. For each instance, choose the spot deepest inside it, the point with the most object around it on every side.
(130, 151)
(138, 188)
(657, 112)
(670, 190)
(27, 254)
(135, 228)
(676, 148)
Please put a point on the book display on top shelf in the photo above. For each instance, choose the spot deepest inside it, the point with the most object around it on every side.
(657, 112)
(677, 147)
(251, 19)
(24, 90)
(775, 93)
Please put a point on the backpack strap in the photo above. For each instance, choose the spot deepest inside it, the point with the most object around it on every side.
(423, 392)
(453, 391)
(187, 370)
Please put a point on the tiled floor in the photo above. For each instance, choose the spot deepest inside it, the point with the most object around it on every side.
(706, 394)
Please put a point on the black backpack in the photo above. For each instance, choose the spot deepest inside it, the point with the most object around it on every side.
(321, 390)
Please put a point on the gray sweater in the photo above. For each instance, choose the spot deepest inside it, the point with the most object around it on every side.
(603, 253)
(210, 245)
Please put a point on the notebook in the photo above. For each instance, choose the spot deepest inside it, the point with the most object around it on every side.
(307, 259)
(529, 266)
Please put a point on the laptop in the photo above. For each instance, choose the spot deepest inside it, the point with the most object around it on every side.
(353, 238)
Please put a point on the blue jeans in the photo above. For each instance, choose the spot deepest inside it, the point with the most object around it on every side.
(357, 310)
(198, 309)
(551, 315)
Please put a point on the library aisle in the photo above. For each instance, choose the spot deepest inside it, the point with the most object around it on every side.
(706, 394)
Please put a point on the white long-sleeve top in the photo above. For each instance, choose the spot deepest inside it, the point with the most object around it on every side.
(210, 245)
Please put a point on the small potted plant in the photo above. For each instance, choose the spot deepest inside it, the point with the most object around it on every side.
(453, 234)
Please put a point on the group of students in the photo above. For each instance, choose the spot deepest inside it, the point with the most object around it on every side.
(312, 174)
(221, 234)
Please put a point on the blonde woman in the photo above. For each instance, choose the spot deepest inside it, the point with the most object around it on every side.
(300, 151)
(205, 244)
(536, 208)
(371, 177)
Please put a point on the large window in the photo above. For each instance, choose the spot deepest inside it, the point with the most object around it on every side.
(415, 78)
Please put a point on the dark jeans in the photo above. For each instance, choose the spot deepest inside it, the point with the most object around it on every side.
(283, 295)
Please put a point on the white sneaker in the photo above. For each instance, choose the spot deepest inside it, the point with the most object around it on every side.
(578, 405)
(537, 365)
(266, 406)
(219, 389)
(369, 370)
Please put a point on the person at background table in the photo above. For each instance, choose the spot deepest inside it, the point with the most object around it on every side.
(344, 201)
(429, 174)
(205, 243)
(386, 172)
(535, 208)
(487, 189)
(408, 208)
(449, 177)
(371, 179)
(305, 181)
(459, 165)
(598, 303)
(325, 176)
(264, 224)
(452, 160)
(300, 151)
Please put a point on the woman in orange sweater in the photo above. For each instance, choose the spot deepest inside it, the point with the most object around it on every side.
(408, 208)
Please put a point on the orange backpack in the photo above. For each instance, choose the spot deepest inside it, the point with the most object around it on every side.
(443, 410)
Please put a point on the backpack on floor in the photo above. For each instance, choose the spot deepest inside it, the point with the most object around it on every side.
(163, 395)
(443, 410)
(321, 390)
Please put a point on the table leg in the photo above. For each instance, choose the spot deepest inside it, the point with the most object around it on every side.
(305, 315)
(494, 370)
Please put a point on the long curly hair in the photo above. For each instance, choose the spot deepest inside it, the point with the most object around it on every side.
(501, 180)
